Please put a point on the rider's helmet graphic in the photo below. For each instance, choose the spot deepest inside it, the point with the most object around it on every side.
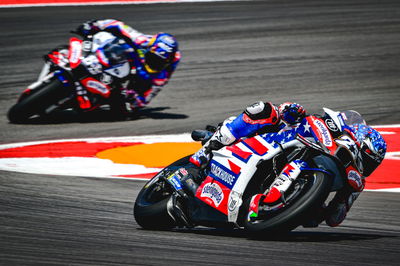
(160, 52)
(372, 149)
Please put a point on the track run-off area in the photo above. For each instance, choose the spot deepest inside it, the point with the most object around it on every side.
(142, 157)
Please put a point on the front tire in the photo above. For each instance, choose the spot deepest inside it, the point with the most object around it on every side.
(151, 205)
(312, 195)
(36, 103)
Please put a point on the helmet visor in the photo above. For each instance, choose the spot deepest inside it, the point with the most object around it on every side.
(369, 162)
(155, 62)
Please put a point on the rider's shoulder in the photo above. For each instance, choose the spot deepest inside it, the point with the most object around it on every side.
(260, 108)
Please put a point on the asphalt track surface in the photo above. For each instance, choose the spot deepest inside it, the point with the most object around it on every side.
(339, 54)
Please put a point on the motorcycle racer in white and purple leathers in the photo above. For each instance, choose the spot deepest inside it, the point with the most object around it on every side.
(152, 59)
(366, 145)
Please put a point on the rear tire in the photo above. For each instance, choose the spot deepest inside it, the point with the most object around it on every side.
(37, 102)
(289, 217)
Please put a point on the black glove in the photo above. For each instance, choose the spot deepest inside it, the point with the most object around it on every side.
(87, 28)
(213, 145)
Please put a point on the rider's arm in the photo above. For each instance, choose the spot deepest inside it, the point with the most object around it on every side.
(255, 117)
(113, 26)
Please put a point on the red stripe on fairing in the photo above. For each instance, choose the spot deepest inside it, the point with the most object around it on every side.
(62, 149)
(235, 168)
(239, 152)
(257, 146)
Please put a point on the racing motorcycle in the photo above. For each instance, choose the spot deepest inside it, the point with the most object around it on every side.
(238, 172)
(69, 69)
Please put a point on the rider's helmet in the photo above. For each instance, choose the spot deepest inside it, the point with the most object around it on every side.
(372, 147)
(160, 52)
(291, 113)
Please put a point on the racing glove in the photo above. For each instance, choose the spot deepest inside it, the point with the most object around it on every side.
(291, 113)
(87, 28)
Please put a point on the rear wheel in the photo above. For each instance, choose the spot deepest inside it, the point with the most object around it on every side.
(151, 206)
(306, 194)
(38, 102)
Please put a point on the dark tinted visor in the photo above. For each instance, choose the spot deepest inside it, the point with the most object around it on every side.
(155, 62)
(369, 163)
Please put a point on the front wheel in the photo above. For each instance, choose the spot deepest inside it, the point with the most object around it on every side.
(151, 210)
(308, 192)
(38, 102)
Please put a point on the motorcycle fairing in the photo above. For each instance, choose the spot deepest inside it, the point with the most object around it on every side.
(322, 133)
(232, 173)
(97, 87)
(75, 52)
(214, 193)
(120, 71)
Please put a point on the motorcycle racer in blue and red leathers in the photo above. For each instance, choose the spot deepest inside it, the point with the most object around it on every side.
(152, 58)
(368, 145)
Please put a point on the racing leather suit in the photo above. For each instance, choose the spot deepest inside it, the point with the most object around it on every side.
(143, 85)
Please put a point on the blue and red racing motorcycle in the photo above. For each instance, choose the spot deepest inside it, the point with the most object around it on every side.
(72, 74)
(238, 172)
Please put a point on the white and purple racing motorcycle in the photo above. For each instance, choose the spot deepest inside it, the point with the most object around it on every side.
(72, 74)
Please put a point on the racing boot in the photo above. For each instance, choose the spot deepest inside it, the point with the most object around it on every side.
(274, 199)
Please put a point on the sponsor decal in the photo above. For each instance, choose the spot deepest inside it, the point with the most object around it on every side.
(183, 171)
(96, 86)
(168, 40)
(234, 202)
(92, 64)
(222, 175)
(214, 192)
(248, 120)
(175, 182)
(164, 47)
(331, 125)
(75, 52)
(355, 179)
(325, 135)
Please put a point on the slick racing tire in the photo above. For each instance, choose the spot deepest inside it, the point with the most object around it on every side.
(151, 206)
(312, 190)
(38, 101)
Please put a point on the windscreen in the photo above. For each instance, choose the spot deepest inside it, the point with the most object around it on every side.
(115, 52)
(352, 117)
